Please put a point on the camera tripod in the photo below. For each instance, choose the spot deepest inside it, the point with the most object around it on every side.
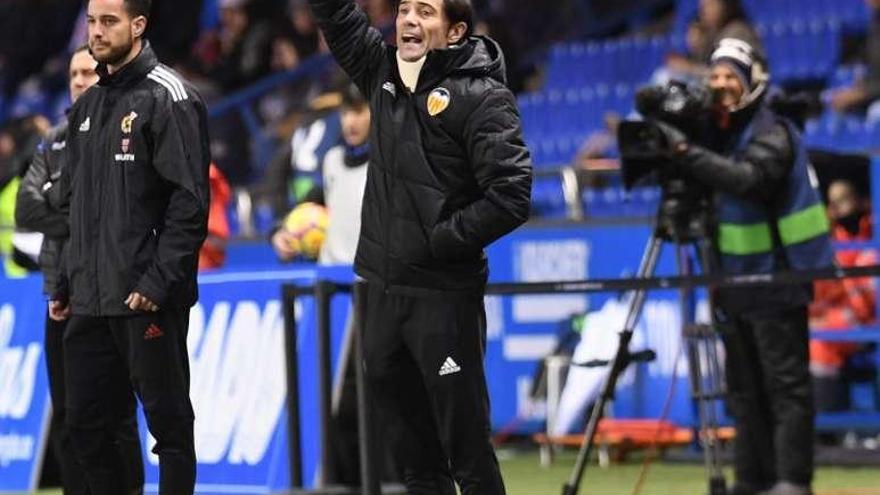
(682, 221)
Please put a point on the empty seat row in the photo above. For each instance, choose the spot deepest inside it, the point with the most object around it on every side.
(797, 51)
(845, 133)
(628, 60)
(852, 15)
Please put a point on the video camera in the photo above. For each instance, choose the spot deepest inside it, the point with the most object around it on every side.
(642, 144)
(684, 210)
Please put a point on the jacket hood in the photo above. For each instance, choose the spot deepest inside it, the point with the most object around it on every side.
(478, 56)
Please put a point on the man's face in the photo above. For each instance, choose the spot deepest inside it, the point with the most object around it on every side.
(421, 26)
(842, 200)
(112, 31)
(727, 90)
(356, 124)
(81, 73)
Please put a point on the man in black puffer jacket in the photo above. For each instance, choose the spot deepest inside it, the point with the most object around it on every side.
(449, 174)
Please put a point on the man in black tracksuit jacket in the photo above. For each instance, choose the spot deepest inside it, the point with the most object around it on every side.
(38, 209)
(138, 178)
(448, 174)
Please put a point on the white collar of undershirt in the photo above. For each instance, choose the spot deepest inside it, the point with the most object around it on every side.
(409, 71)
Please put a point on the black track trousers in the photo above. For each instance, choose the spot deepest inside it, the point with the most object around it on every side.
(127, 439)
(770, 397)
(152, 348)
(424, 361)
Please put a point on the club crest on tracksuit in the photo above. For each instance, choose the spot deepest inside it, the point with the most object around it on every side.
(127, 121)
(438, 100)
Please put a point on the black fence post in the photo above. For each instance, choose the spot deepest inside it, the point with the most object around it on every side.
(323, 296)
(294, 446)
(370, 461)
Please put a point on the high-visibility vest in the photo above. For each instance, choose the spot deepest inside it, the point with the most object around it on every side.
(751, 234)
(7, 229)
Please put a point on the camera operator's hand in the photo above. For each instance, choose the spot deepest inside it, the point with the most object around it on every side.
(676, 141)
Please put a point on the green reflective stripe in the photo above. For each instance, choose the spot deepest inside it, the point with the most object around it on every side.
(755, 238)
(803, 225)
(744, 239)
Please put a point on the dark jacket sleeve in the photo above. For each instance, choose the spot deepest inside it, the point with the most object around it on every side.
(757, 174)
(357, 47)
(181, 156)
(503, 169)
(33, 210)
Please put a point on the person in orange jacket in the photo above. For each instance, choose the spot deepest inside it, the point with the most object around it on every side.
(842, 304)
(213, 252)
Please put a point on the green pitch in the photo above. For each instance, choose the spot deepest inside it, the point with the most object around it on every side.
(524, 476)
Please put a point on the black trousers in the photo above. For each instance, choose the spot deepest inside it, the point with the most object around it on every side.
(126, 438)
(151, 347)
(770, 397)
(424, 361)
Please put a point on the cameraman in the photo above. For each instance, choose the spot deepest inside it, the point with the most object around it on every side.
(770, 218)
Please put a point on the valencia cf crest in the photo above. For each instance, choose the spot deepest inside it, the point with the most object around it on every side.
(127, 121)
(438, 100)
(125, 144)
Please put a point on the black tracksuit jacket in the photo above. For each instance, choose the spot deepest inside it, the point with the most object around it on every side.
(138, 179)
(440, 187)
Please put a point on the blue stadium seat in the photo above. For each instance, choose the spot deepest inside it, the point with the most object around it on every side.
(547, 198)
(799, 50)
(852, 14)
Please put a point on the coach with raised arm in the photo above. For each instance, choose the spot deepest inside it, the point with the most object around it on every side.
(448, 174)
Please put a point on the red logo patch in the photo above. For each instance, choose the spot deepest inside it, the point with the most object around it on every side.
(153, 332)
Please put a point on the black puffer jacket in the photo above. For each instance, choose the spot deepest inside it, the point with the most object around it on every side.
(440, 187)
(38, 204)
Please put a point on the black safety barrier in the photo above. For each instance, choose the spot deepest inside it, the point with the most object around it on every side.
(323, 292)
(676, 282)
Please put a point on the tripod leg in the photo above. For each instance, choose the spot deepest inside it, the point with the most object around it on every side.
(617, 365)
(706, 386)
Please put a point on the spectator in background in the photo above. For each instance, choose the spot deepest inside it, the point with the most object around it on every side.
(716, 20)
(685, 67)
(295, 169)
(296, 39)
(601, 143)
(239, 52)
(213, 252)
(867, 90)
(380, 12)
(344, 170)
(842, 304)
(302, 30)
(18, 140)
